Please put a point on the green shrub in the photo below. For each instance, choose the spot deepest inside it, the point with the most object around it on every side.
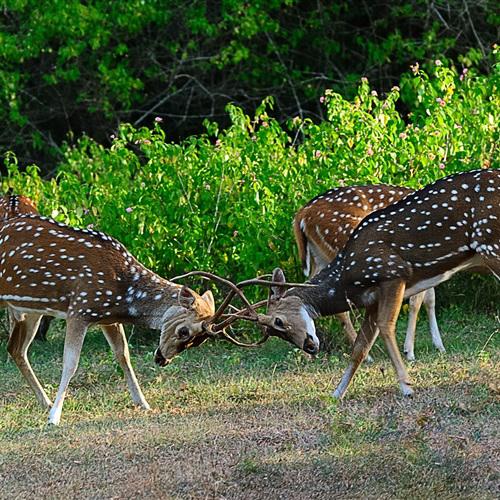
(224, 200)
(72, 66)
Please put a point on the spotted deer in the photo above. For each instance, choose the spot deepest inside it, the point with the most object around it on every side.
(322, 228)
(403, 249)
(87, 278)
(11, 206)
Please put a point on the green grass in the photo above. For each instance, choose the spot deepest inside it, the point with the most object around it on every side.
(227, 422)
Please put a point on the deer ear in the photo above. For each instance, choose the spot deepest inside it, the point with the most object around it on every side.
(186, 297)
(209, 299)
(276, 292)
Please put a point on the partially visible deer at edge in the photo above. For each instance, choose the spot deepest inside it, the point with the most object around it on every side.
(12, 205)
(87, 278)
(406, 248)
(322, 228)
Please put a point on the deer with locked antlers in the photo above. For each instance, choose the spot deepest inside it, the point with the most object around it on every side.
(210, 328)
(322, 228)
(406, 248)
(87, 278)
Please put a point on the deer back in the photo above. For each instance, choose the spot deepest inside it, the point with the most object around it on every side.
(423, 239)
(323, 226)
(50, 268)
(55, 269)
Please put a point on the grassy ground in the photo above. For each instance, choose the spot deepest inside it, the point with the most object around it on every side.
(232, 423)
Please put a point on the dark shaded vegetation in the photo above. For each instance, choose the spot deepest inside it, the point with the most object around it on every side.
(71, 67)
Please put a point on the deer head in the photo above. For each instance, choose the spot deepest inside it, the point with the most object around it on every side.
(185, 324)
(289, 317)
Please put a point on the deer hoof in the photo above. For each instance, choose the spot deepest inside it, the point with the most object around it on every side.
(406, 390)
(410, 355)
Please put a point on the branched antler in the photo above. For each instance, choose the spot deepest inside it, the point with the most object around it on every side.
(228, 337)
(248, 312)
(210, 325)
(259, 281)
(233, 292)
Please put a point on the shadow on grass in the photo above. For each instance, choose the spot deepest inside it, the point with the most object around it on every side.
(263, 450)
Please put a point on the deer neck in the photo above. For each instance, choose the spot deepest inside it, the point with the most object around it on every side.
(149, 300)
(328, 297)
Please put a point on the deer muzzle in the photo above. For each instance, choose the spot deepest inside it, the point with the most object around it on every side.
(310, 346)
(160, 360)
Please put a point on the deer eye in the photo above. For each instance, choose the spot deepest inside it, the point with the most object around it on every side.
(183, 333)
(279, 323)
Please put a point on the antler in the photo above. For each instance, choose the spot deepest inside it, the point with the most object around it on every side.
(210, 325)
(231, 318)
(235, 289)
(259, 281)
(228, 337)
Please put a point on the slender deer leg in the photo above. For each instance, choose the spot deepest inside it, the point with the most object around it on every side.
(12, 319)
(391, 298)
(430, 306)
(22, 334)
(492, 263)
(349, 330)
(115, 336)
(361, 348)
(415, 303)
(75, 333)
(41, 333)
(494, 267)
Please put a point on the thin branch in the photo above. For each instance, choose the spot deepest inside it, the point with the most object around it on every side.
(480, 43)
(290, 83)
(217, 217)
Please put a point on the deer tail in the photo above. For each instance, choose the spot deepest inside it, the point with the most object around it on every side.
(301, 240)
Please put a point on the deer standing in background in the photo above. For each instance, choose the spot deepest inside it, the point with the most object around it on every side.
(87, 278)
(406, 248)
(11, 206)
(322, 228)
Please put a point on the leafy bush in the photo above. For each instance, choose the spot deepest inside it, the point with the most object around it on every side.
(224, 200)
(73, 67)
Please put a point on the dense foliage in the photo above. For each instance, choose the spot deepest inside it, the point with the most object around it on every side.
(68, 67)
(224, 200)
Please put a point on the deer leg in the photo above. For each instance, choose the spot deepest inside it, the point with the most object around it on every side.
(12, 319)
(430, 306)
(360, 350)
(415, 303)
(115, 335)
(22, 333)
(349, 331)
(492, 263)
(41, 334)
(391, 298)
(75, 333)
